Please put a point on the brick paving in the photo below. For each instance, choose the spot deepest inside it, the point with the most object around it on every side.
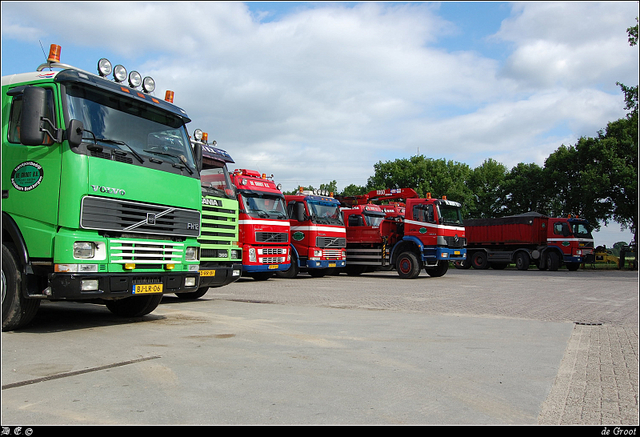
(597, 381)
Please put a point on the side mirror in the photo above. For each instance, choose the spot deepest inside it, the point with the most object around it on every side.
(34, 101)
(299, 212)
(197, 154)
(74, 133)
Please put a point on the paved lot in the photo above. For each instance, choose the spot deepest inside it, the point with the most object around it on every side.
(472, 347)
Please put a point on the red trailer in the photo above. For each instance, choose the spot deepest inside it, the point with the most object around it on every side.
(526, 238)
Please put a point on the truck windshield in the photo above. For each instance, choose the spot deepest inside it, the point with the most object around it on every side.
(581, 230)
(373, 219)
(263, 205)
(216, 182)
(326, 213)
(134, 127)
(450, 215)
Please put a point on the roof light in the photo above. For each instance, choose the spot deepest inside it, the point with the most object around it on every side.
(148, 84)
(197, 134)
(205, 137)
(119, 73)
(135, 80)
(428, 195)
(54, 53)
(168, 96)
(104, 67)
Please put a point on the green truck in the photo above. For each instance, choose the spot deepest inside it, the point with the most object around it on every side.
(101, 197)
(220, 255)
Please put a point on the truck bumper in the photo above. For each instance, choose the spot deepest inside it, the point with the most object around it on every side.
(248, 268)
(219, 275)
(446, 254)
(324, 264)
(105, 286)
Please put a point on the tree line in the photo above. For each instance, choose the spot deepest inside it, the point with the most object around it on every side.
(596, 178)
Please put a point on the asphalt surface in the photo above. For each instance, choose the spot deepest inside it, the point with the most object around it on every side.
(469, 348)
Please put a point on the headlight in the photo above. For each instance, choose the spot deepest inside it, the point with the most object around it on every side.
(252, 255)
(191, 254)
(235, 254)
(83, 250)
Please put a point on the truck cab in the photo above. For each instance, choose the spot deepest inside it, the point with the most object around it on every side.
(318, 234)
(220, 254)
(264, 225)
(572, 240)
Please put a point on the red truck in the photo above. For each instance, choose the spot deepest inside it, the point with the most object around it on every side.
(525, 239)
(408, 236)
(264, 225)
(318, 234)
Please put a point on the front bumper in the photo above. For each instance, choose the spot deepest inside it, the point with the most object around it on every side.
(215, 275)
(109, 285)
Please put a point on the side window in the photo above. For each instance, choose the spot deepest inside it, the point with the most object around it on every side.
(557, 228)
(14, 118)
(429, 214)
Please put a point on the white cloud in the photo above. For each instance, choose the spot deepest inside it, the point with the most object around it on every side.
(324, 92)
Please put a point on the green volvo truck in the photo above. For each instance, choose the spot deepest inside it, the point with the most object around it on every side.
(101, 197)
(220, 255)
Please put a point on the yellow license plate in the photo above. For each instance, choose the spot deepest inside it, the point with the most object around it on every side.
(457, 252)
(207, 272)
(332, 264)
(274, 266)
(147, 288)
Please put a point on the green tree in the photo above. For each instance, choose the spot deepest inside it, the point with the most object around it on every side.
(485, 183)
(524, 190)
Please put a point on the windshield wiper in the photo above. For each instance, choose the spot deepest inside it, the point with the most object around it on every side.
(119, 143)
(183, 161)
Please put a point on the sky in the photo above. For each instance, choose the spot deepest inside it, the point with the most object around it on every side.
(313, 92)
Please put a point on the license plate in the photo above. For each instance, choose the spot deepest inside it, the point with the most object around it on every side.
(147, 288)
(207, 272)
(457, 252)
(332, 264)
(273, 266)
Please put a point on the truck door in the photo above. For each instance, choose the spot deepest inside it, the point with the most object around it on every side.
(31, 175)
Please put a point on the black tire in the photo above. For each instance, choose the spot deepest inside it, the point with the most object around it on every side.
(552, 261)
(17, 311)
(135, 306)
(193, 295)
(355, 270)
(317, 273)
(522, 261)
(261, 276)
(479, 261)
(292, 271)
(407, 265)
(572, 267)
(440, 270)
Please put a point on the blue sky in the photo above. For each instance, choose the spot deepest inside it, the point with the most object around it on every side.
(319, 91)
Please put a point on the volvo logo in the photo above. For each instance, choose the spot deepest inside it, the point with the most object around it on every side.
(108, 190)
(150, 219)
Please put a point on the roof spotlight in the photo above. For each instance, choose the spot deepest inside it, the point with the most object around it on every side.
(119, 73)
(148, 84)
(197, 134)
(104, 67)
(135, 80)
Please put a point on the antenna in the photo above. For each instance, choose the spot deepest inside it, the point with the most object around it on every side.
(43, 52)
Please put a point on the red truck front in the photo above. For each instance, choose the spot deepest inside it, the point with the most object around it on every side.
(572, 237)
(318, 234)
(264, 225)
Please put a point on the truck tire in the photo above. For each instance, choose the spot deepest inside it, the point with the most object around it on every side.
(464, 264)
(17, 311)
(552, 261)
(135, 306)
(479, 260)
(440, 270)
(317, 273)
(522, 261)
(292, 271)
(572, 267)
(193, 295)
(408, 265)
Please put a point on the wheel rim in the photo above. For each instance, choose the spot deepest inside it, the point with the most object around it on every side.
(405, 266)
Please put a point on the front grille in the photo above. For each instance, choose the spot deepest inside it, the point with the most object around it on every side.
(131, 251)
(219, 229)
(272, 237)
(273, 251)
(332, 253)
(331, 242)
(106, 214)
(455, 242)
(273, 260)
